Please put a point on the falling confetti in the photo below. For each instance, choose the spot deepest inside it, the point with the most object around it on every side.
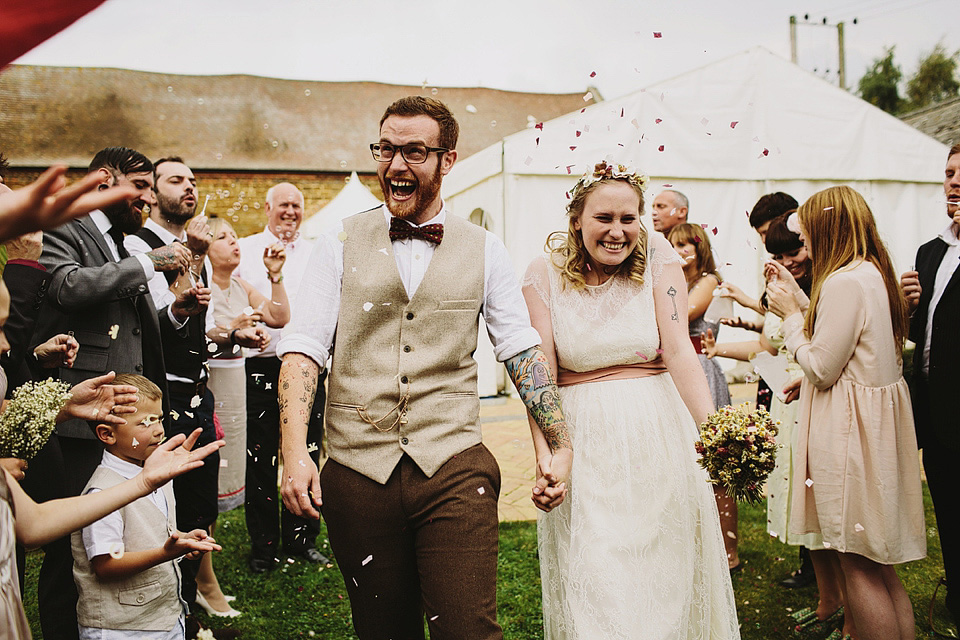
(588, 96)
(734, 123)
(809, 482)
(660, 148)
(135, 443)
(116, 550)
(657, 34)
(593, 74)
(366, 560)
(174, 414)
(195, 402)
(481, 490)
(367, 306)
(658, 120)
(858, 527)
(113, 331)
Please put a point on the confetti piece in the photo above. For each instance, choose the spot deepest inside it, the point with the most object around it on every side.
(858, 527)
(471, 109)
(248, 311)
(135, 443)
(223, 462)
(766, 152)
(704, 121)
(188, 414)
(660, 148)
(434, 618)
(236, 348)
(268, 386)
(116, 550)
(367, 306)
(539, 126)
(588, 96)
(366, 561)
(658, 120)
(194, 402)
(383, 251)
(579, 133)
(528, 161)
(212, 347)
(809, 482)
(342, 236)
(657, 34)
(174, 414)
(113, 331)
(481, 490)
(731, 535)
(593, 74)
(573, 147)
(733, 124)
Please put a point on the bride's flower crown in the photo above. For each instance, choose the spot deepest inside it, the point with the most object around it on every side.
(604, 171)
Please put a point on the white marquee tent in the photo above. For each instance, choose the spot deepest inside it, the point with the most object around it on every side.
(724, 135)
(353, 198)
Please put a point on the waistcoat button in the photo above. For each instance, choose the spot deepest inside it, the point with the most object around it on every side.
(404, 441)
(409, 316)
(403, 379)
(407, 349)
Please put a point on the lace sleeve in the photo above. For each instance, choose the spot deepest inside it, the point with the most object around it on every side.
(537, 278)
(660, 254)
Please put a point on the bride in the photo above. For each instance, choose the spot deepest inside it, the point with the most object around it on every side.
(635, 550)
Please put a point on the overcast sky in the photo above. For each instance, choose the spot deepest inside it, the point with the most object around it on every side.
(522, 45)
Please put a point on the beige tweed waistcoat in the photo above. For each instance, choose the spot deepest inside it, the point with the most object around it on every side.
(147, 601)
(403, 377)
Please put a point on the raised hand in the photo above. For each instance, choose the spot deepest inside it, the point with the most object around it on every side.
(708, 343)
(97, 400)
(172, 458)
(199, 236)
(58, 351)
(273, 258)
(191, 544)
(910, 284)
(171, 257)
(191, 302)
(740, 323)
(47, 202)
(252, 337)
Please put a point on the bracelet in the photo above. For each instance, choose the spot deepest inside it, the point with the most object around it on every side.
(277, 281)
(233, 336)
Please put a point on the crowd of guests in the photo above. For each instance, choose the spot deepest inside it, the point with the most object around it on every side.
(168, 331)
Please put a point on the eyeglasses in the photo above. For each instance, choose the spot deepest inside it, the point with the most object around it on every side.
(413, 153)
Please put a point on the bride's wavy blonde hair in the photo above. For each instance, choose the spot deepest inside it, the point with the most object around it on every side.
(566, 248)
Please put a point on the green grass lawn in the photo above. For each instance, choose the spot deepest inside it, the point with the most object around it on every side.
(298, 601)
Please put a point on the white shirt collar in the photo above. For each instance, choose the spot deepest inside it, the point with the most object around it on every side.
(124, 468)
(949, 234)
(162, 233)
(101, 220)
(440, 218)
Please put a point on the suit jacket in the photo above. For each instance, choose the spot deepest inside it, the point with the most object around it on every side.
(105, 305)
(934, 410)
(28, 287)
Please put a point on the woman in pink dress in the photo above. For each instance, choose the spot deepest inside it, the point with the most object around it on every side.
(856, 468)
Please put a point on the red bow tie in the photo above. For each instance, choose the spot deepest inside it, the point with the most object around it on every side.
(401, 230)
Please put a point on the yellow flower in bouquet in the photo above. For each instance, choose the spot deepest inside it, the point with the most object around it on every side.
(30, 416)
(738, 449)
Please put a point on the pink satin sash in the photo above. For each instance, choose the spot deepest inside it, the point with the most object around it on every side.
(617, 372)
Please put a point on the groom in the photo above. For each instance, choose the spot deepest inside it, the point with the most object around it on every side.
(409, 492)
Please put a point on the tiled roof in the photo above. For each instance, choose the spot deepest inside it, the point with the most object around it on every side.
(940, 121)
(66, 114)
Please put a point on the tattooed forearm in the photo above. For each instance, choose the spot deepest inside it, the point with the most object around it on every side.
(531, 375)
(296, 391)
(673, 298)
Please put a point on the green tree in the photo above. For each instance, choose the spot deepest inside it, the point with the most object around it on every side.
(878, 86)
(935, 79)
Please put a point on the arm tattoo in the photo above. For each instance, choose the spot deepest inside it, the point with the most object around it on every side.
(163, 258)
(673, 298)
(531, 375)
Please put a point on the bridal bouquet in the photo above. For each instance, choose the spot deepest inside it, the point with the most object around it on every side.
(30, 416)
(738, 450)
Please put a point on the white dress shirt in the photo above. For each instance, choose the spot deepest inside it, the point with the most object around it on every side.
(949, 264)
(252, 270)
(104, 225)
(314, 323)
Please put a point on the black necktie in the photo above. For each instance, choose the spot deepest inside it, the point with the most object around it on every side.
(117, 236)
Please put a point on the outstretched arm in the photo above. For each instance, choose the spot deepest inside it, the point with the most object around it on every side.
(298, 386)
(192, 544)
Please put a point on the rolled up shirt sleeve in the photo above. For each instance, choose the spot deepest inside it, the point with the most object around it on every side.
(504, 310)
(313, 323)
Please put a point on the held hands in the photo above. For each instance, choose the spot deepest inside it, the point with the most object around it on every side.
(910, 284)
(300, 486)
(273, 258)
(190, 545)
(15, 467)
(99, 401)
(58, 351)
(199, 236)
(172, 458)
(780, 299)
(252, 337)
(552, 473)
(171, 257)
(190, 302)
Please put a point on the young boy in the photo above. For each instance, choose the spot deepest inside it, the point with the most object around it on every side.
(123, 564)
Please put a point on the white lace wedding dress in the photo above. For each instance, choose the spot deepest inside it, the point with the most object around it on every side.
(635, 550)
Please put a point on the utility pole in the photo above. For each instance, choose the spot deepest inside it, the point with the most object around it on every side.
(793, 39)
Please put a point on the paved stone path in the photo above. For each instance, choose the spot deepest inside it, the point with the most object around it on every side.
(507, 435)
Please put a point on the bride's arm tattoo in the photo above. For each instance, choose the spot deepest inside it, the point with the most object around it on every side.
(673, 298)
(530, 373)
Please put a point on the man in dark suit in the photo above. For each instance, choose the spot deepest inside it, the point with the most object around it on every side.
(933, 291)
(98, 294)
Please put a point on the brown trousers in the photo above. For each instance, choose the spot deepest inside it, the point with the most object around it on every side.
(418, 546)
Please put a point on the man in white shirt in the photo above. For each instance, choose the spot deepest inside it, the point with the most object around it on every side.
(269, 522)
(409, 491)
(670, 208)
(933, 292)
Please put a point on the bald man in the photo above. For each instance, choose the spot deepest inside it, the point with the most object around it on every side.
(268, 521)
